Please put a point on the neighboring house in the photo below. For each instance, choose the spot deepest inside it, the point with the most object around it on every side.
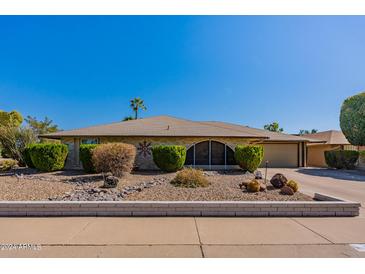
(210, 145)
(332, 140)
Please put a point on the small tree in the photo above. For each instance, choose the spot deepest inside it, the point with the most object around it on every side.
(136, 105)
(274, 126)
(306, 131)
(12, 118)
(41, 127)
(352, 119)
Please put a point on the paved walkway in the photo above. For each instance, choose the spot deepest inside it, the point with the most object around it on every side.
(200, 237)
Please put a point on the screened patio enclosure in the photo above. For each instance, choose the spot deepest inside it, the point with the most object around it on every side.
(210, 155)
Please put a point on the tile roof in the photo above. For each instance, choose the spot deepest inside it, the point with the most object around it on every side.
(330, 137)
(167, 126)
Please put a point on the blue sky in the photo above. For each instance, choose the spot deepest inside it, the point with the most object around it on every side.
(252, 70)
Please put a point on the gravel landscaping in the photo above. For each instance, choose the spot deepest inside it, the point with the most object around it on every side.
(27, 184)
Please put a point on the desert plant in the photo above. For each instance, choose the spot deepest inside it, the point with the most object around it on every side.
(48, 157)
(249, 157)
(293, 185)
(352, 119)
(253, 186)
(341, 159)
(26, 156)
(169, 158)
(191, 178)
(14, 140)
(117, 158)
(86, 153)
(7, 164)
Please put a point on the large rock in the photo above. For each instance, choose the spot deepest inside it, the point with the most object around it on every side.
(111, 182)
(287, 191)
(278, 180)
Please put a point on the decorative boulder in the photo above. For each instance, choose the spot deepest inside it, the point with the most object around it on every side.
(286, 190)
(278, 180)
(263, 187)
(258, 175)
(111, 182)
(244, 184)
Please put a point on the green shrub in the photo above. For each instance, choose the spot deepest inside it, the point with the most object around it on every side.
(169, 158)
(48, 157)
(362, 155)
(191, 178)
(26, 156)
(117, 158)
(341, 159)
(249, 157)
(293, 185)
(7, 164)
(86, 154)
(352, 119)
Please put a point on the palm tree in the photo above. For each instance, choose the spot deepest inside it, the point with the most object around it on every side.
(137, 104)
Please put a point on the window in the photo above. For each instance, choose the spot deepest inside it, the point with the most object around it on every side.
(210, 153)
(89, 141)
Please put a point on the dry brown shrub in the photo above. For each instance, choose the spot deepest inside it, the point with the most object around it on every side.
(190, 177)
(117, 158)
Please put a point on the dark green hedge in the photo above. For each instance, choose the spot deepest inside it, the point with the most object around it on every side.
(48, 157)
(86, 157)
(169, 158)
(249, 157)
(341, 159)
(26, 156)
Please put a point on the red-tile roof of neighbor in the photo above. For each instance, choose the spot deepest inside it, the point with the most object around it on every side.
(167, 126)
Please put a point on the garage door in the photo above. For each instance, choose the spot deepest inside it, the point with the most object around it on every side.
(281, 155)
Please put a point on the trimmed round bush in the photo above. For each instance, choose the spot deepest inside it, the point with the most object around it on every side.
(249, 157)
(169, 158)
(48, 157)
(26, 157)
(352, 119)
(86, 154)
(191, 178)
(341, 159)
(117, 158)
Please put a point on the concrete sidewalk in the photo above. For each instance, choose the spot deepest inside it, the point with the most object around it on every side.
(184, 237)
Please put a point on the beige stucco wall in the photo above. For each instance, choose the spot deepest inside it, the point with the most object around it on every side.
(281, 155)
(316, 154)
(144, 160)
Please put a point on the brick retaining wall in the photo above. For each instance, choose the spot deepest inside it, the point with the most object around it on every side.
(326, 207)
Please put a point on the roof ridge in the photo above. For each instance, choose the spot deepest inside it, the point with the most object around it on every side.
(204, 122)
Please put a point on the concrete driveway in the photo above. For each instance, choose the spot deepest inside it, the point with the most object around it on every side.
(346, 184)
(200, 237)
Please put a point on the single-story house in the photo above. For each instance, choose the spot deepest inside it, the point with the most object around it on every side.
(331, 140)
(210, 145)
